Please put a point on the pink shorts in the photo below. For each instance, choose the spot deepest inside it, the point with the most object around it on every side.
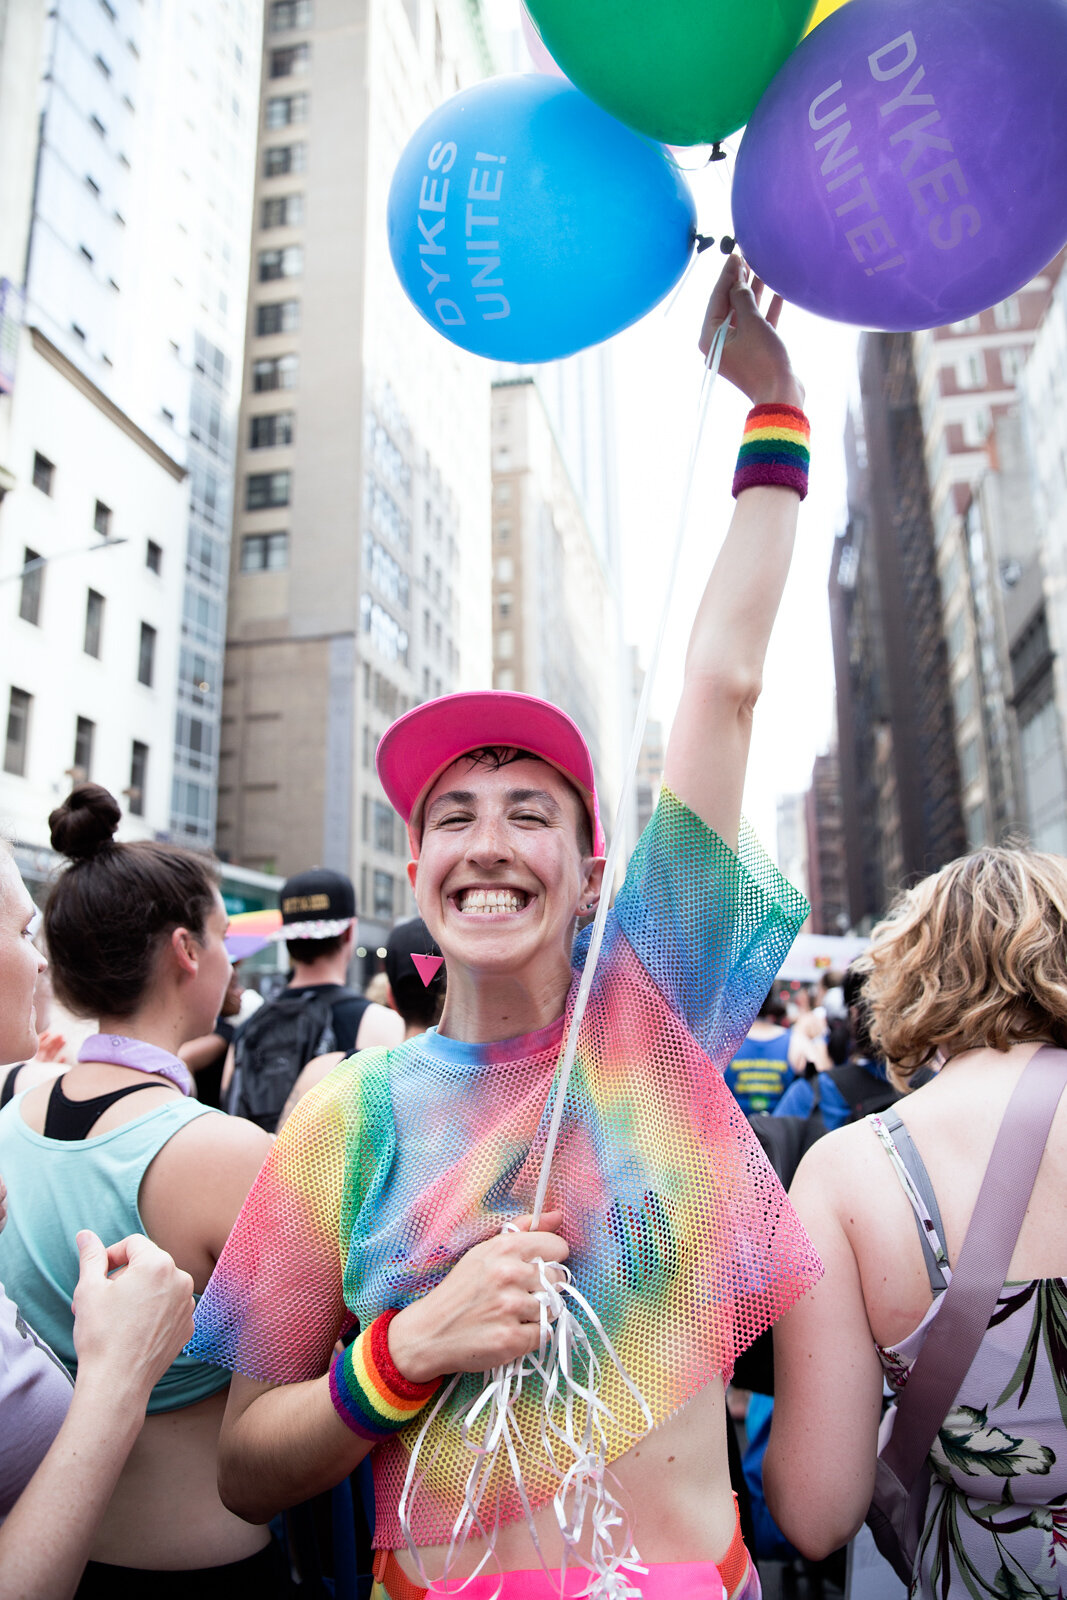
(732, 1578)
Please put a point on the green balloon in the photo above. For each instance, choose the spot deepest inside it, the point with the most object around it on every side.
(681, 71)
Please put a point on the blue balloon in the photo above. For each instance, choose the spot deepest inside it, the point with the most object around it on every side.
(525, 223)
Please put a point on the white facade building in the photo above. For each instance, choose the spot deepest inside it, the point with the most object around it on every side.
(114, 534)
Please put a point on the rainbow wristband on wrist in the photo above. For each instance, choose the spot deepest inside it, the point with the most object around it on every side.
(774, 451)
(369, 1395)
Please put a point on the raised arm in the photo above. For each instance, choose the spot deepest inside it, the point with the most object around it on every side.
(708, 747)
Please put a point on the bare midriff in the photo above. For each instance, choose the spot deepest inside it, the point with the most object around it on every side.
(674, 1485)
(165, 1514)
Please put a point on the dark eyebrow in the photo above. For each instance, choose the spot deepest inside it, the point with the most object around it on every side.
(453, 797)
(523, 796)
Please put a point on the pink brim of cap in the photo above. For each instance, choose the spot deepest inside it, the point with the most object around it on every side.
(424, 742)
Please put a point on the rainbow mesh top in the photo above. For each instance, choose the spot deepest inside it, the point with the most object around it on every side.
(681, 1237)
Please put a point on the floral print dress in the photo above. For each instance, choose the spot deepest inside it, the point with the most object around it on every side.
(996, 1518)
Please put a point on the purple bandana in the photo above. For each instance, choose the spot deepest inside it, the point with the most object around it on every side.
(119, 1051)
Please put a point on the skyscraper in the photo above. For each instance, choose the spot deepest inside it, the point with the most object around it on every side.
(360, 580)
(113, 536)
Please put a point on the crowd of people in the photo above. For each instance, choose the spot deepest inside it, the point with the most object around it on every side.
(219, 1306)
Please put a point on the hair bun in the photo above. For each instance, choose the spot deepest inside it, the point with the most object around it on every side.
(85, 822)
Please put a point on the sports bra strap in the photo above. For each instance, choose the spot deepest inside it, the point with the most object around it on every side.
(71, 1120)
(915, 1181)
(8, 1091)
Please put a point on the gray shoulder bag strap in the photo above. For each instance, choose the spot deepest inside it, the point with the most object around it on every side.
(902, 1480)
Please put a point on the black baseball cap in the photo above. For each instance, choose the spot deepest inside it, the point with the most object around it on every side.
(317, 904)
(408, 939)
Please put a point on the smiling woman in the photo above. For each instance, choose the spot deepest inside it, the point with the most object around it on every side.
(400, 1192)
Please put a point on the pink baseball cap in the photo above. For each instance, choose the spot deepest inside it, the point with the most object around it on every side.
(423, 743)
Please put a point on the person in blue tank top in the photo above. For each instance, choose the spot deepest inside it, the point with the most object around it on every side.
(760, 1072)
(119, 1145)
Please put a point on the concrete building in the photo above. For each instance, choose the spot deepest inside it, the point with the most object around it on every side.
(555, 612)
(826, 869)
(967, 379)
(360, 580)
(113, 535)
(900, 781)
(792, 840)
(1030, 531)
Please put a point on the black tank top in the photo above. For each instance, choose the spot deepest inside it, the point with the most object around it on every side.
(75, 1119)
(8, 1091)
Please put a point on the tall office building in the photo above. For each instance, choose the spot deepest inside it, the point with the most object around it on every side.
(826, 870)
(968, 375)
(360, 580)
(555, 613)
(900, 780)
(114, 530)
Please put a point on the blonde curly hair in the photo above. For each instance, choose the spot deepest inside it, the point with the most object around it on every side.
(973, 956)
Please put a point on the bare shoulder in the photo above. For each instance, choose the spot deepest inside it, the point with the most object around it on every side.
(379, 1026)
(215, 1147)
(837, 1164)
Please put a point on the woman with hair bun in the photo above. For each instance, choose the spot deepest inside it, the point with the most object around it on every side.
(967, 975)
(119, 1145)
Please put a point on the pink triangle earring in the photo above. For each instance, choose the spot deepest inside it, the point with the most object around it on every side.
(426, 967)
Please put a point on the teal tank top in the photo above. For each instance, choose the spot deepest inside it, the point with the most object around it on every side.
(56, 1187)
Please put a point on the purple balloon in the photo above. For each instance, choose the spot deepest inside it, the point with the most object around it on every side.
(907, 166)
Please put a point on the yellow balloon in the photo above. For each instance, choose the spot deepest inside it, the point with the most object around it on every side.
(823, 10)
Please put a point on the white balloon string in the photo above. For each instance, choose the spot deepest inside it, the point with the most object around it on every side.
(615, 849)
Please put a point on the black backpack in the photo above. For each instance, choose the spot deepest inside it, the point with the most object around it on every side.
(786, 1140)
(273, 1048)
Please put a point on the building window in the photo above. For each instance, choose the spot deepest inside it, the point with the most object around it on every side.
(101, 64)
(290, 61)
(102, 519)
(264, 552)
(282, 211)
(963, 697)
(272, 430)
(280, 316)
(18, 732)
(383, 826)
(969, 763)
(287, 263)
(275, 372)
(505, 644)
(146, 655)
(43, 473)
(383, 895)
(138, 778)
(1012, 362)
(1009, 313)
(285, 109)
(976, 826)
(84, 733)
(31, 586)
(957, 636)
(97, 125)
(264, 489)
(970, 371)
(281, 159)
(94, 623)
(154, 556)
(286, 14)
(976, 427)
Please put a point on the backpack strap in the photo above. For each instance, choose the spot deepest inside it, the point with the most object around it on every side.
(956, 1333)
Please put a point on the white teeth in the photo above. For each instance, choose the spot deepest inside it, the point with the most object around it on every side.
(490, 902)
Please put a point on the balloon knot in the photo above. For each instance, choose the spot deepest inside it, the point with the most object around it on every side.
(717, 152)
(704, 242)
(727, 245)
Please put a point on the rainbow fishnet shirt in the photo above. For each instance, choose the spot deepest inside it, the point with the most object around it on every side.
(681, 1237)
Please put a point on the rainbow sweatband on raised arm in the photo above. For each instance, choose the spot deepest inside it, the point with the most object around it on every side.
(774, 451)
(369, 1394)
